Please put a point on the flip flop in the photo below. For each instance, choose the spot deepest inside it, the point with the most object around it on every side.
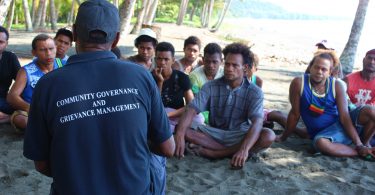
(368, 158)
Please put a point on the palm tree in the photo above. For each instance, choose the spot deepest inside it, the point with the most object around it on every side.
(347, 57)
(4, 6)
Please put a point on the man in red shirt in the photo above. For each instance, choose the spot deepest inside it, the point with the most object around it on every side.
(361, 85)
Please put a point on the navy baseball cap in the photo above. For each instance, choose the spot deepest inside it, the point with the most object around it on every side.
(97, 15)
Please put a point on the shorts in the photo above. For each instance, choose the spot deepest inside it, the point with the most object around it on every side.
(158, 173)
(225, 137)
(336, 132)
(5, 107)
(266, 112)
(173, 122)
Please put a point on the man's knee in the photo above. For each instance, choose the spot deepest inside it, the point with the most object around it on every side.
(322, 144)
(366, 115)
(267, 135)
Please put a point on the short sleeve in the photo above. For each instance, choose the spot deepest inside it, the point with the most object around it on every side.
(184, 81)
(201, 100)
(15, 65)
(255, 108)
(194, 83)
(37, 137)
(159, 129)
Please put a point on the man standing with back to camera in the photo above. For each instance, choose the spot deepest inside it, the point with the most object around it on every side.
(91, 120)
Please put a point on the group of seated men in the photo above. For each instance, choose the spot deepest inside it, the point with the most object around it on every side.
(214, 105)
(234, 125)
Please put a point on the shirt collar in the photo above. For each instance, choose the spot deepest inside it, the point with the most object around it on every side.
(90, 56)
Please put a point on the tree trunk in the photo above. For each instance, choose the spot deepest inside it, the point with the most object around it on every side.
(182, 11)
(192, 12)
(4, 6)
(10, 15)
(38, 14)
(33, 10)
(347, 57)
(209, 13)
(71, 14)
(204, 14)
(141, 14)
(150, 14)
(52, 13)
(26, 12)
(126, 13)
(44, 15)
(222, 16)
(116, 3)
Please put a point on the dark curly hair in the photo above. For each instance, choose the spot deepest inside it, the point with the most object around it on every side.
(239, 48)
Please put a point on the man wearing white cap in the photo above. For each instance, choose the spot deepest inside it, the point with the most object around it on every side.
(145, 43)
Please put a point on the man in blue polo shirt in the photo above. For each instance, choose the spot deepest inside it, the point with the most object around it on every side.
(93, 122)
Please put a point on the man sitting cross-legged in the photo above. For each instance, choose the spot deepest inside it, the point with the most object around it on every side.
(321, 102)
(236, 114)
(19, 96)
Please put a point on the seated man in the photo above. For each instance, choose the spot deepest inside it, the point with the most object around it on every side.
(321, 102)
(44, 51)
(191, 59)
(63, 41)
(174, 85)
(236, 114)
(361, 85)
(9, 66)
(145, 44)
(211, 69)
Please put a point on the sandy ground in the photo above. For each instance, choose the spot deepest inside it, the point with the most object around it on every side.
(284, 168)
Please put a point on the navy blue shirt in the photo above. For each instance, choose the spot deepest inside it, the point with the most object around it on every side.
(9, 66)
(91, 119)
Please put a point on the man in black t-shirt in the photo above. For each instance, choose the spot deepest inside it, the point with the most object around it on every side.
(9, 66)
(174, 85)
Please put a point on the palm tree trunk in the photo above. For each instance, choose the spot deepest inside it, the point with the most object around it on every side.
(150, 14)
(10, 15)
(141, 14)
(222, 16)
(126, 13)
(52, 13)
(44, 15)
(182, 12)
(4, 6)
(209, 13)
(347, 57)
(29, 24)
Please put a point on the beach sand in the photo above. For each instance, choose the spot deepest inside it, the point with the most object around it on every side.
(285, 168)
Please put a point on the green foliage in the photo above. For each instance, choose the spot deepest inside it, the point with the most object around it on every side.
(168, 11)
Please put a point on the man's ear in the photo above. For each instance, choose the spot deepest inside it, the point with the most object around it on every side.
(74, 33)
(117, 39)
(33, 52)
(245, 66)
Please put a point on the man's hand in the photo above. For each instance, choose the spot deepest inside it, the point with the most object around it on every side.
(180, 145)
(364, 151)
(157, 73)
(239, 158)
